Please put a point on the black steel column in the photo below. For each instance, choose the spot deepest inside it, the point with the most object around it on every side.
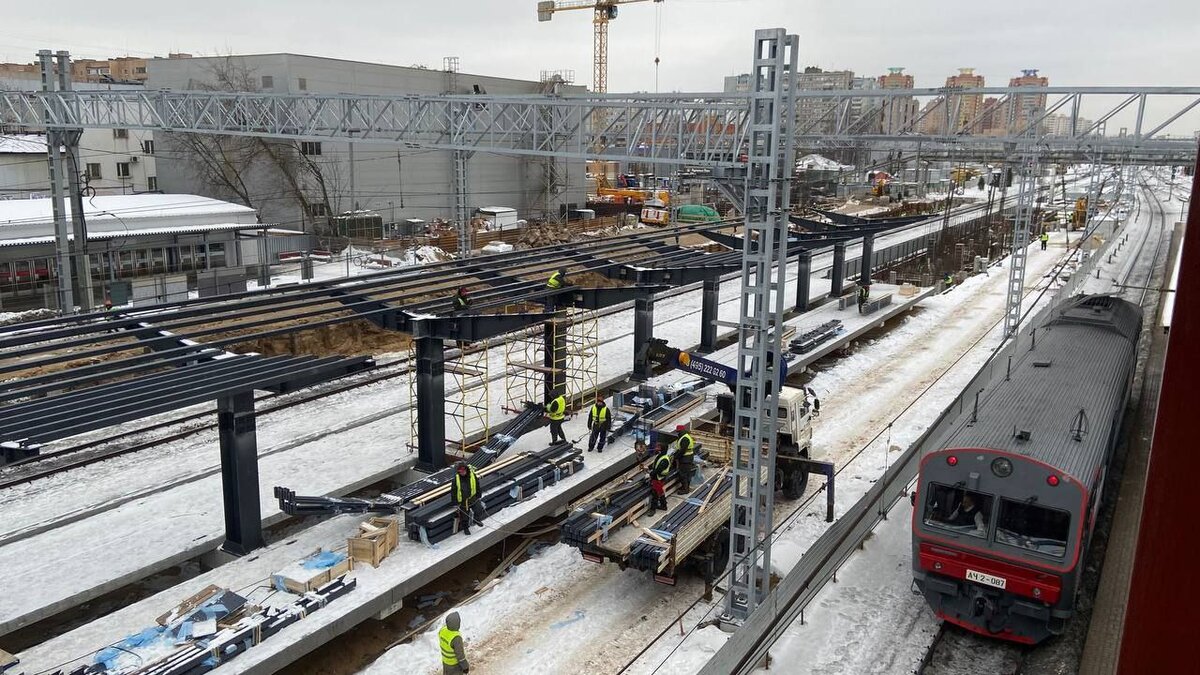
(865, 263)
(554, 347)
(708, 314)
(431, 400)
(643, 330)
(239, 473)
(803, 279)
(838, 274)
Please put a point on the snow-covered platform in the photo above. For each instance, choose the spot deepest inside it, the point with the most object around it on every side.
(413, 565)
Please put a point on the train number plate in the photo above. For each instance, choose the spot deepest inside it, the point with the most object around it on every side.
(987, 579)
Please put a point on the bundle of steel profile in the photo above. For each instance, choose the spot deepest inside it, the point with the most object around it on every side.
(392, 502)
(485, 455)
(647, 553)
(810, 339)
(591, 523)
(656, 415)
(430, 518)
(205, 654)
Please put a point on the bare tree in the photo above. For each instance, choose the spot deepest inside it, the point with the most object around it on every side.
(224, 163)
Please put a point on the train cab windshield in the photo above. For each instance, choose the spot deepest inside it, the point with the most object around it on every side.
(958, 509)
(1031, 527)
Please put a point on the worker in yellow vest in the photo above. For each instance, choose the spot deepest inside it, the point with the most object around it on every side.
(454, 655)
(557, 280)
(685, 458)
(1045, 238)
(556, 411)
(464, 493)
(598, 422)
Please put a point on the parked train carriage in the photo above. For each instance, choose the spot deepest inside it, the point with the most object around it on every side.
(1005, 511)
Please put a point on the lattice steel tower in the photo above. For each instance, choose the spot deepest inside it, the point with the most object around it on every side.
(764, 272)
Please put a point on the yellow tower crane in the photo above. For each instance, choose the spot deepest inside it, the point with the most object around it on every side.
(603, 11)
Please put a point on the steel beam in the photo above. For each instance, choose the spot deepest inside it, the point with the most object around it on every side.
(709, 302)
(239, 473)
(81, 264)
(866, 262)
(599, 298)
(643, 330)
(837, 273)
(803, 280)
(473, 327)
(431, 400)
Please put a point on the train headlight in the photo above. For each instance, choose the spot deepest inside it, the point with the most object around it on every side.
(1002, 467)
(1052, 481)
(952, 460)
(1037, 592)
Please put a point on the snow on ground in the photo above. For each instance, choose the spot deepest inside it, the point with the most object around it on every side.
(161, 506)
(911, 358)
(600, 638)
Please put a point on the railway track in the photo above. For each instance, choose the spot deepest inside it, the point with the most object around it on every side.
(955, 651)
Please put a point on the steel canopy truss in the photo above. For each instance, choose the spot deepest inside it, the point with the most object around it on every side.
(694, 129)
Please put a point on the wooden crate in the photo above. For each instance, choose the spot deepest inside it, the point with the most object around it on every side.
(298, 580)
(369, 550)
(392, 527)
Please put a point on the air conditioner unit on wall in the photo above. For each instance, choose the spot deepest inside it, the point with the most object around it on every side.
(133, 159)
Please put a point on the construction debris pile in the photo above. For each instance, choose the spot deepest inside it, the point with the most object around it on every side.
(216, 625)
(544, 234)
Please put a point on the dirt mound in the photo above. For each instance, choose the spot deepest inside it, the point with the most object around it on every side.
(545, 235)
(353, 338)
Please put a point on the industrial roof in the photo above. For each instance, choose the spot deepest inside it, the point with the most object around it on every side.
(124, 207)
(22, 144)
(1082, 360)
(142, 232)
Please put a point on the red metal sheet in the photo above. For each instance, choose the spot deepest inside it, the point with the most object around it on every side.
(1163, 614)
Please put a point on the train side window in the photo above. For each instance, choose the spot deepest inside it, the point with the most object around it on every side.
(1033, 527)
(958, 509)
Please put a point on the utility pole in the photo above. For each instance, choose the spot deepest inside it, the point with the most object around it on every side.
(771, 155)
(62, 239)
(80, 258)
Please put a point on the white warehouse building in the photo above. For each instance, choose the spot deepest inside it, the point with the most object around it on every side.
(398, 183)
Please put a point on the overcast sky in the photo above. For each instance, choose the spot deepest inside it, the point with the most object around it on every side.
(1073, 42)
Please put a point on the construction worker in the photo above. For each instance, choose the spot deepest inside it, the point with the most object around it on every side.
(598, 422)
(461, 300)
(464, 492)
(864, 293)
(1045, 239)
(556, 410)
(948, 280)
(454, 655)
(557, 280)
(685, 458)
(108, 315)
(658, 476)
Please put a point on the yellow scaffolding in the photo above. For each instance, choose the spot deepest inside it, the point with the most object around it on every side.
(468, 399)
(574, 361)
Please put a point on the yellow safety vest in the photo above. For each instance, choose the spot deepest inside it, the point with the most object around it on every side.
(555, 280)
(687, 445)
(1045, 237)
(599, 414)
(473, 484)
(662, 466)
(557, 409)
(446, 638)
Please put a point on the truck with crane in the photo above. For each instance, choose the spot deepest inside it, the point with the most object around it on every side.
(617, 525)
